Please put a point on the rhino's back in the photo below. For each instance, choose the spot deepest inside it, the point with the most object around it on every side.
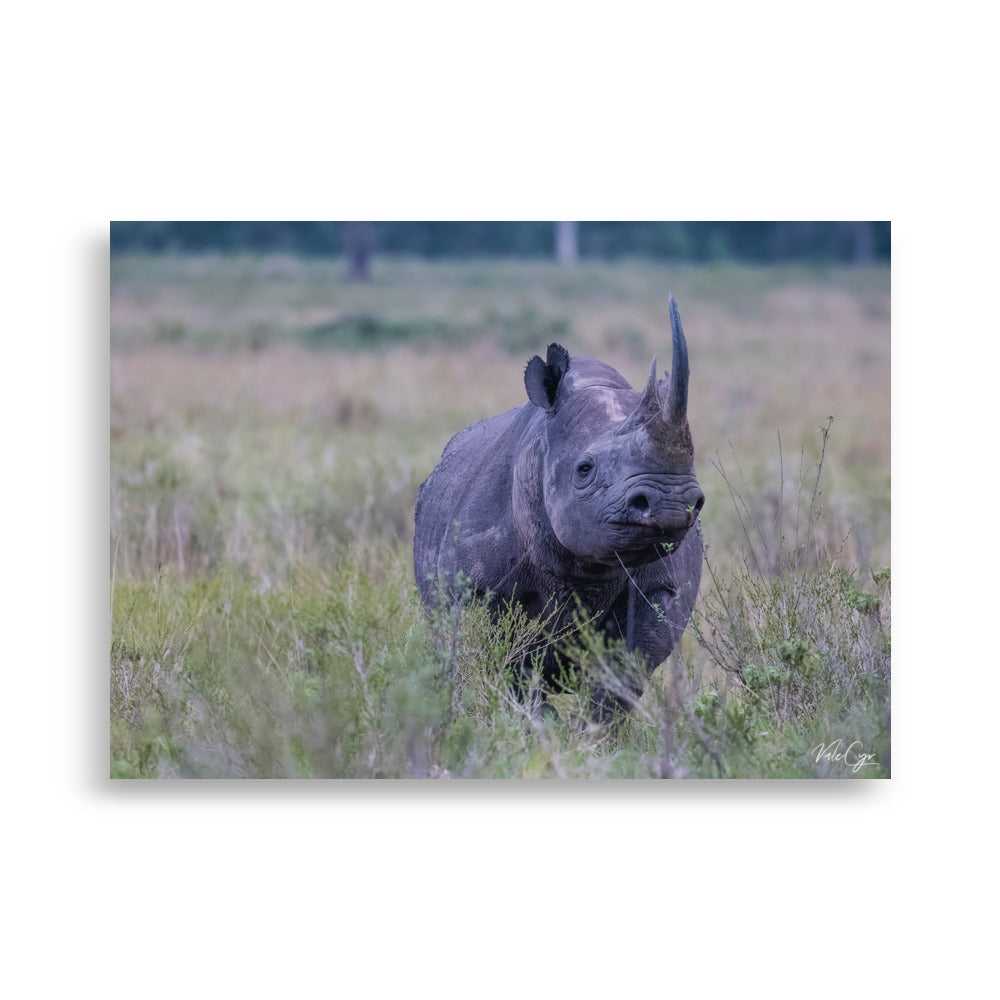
(464, 517)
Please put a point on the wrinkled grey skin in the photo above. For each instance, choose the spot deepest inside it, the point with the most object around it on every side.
(586, 492)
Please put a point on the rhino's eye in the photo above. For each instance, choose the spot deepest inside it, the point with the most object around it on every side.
(584, 470)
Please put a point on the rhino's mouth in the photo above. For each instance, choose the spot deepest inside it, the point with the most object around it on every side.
(641, 542)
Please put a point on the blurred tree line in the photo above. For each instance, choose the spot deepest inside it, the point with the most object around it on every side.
(858, 242)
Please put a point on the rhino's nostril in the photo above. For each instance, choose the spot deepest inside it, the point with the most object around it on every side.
(639, 503)
(695, 507)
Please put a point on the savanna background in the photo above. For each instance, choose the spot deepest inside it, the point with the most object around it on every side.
(278, 393)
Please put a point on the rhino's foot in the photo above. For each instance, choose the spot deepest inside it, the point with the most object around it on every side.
(608, 707)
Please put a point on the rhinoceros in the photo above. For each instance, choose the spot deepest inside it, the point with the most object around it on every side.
(583, 498)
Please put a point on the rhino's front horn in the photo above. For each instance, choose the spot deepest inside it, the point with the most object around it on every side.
(675, 407)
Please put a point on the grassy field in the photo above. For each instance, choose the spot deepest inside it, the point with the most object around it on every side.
(270, 425)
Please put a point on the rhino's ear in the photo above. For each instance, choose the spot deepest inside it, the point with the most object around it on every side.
(542, 378)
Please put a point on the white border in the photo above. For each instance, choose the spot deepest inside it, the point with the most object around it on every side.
(432, 111)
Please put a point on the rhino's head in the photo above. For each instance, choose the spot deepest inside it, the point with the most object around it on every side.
(618, 477)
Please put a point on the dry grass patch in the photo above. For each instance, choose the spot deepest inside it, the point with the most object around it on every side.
(275, 470)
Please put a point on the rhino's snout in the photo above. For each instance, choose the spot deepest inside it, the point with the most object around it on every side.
(647, 506)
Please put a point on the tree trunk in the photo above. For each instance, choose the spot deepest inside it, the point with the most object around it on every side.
(566, 251)
(358, 247)
(864, 242)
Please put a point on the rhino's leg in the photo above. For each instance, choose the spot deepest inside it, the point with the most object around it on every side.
(658, 624)
(647, 621)
(649, 624)
(658, 600)
(532, 686)
(606, 701)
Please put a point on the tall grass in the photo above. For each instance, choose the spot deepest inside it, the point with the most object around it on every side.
(265, 618)
(800, 636)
